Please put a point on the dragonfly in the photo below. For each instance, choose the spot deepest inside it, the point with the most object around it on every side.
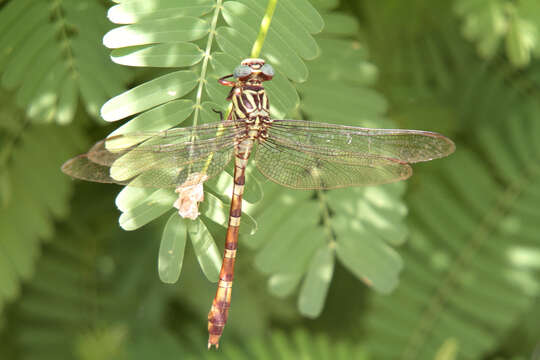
(297, 154)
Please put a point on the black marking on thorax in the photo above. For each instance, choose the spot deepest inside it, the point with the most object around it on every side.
(252, 108)
(250, 102)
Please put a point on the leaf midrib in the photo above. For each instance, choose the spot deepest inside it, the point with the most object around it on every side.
(202, 78)
(65, 38)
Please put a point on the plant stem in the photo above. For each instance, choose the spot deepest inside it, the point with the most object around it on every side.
(202, 79)
(326, 218)
(265, 25)
(66, 42)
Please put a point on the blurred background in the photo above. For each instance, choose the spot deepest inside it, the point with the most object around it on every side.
(443, 266)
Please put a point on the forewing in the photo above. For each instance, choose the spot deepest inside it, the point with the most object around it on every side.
(408, 146)
(166, 147)
(160, 159)
(312, 167)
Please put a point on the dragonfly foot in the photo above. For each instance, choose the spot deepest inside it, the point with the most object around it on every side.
(220, 114)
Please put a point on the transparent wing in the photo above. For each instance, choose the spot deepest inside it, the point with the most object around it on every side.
(311, 167)
(408, 146)
(159, 159)
(164, 148)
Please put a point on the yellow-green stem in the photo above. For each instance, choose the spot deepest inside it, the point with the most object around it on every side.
(265, 25)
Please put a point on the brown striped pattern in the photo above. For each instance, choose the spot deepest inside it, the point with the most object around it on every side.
(217, 317)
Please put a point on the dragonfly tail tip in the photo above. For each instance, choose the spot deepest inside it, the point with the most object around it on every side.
(210, 343)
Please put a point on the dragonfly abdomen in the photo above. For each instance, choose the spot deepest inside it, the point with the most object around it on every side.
(219, 311)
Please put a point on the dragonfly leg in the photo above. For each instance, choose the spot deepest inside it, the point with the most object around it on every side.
(220, 114)
(225, 82)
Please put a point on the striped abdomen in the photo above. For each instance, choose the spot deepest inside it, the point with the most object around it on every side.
(217, 317)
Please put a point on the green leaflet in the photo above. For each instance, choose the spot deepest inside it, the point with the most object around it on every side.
(521, 42)
(254, 192)
(208, 114)
(131, 197)
(378, 207)
(153, 206)
(171, 250)
(156, 92)
(366, 255)
(360, 241)
(217, 211)
(168, 30)
(223, 186)
(128, 12)
(283, 285)
(370, 103)
(277, 209)
(18, 64)
(44, 107)
(234, 42)
(67, 102)
(161, 55)
(448, 350)
(207, 253)
(283, 96)
(303, 12)
(294, 22)
(315, 286)
(339, 24)
(170, 114)
(288, 247)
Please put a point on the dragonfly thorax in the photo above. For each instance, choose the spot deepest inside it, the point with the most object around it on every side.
(250, 106)
(250, 103)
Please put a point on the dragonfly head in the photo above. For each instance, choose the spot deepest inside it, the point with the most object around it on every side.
(253, 69)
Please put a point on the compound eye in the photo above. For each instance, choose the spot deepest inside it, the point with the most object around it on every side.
(267, 70)
(242, 71)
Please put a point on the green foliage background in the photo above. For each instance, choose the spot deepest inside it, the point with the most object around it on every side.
(444, 266)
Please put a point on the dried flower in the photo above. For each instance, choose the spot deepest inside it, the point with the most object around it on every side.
(190, 194)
